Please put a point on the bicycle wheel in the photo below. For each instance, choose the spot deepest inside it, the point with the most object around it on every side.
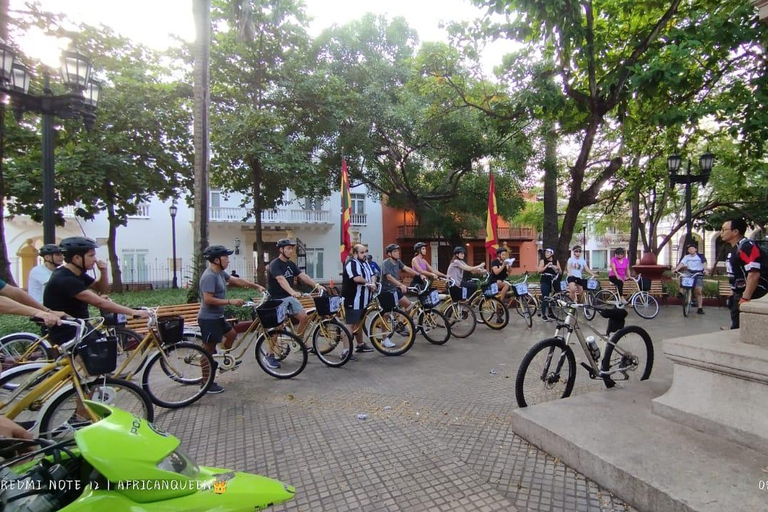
(554, 309)
(332, 342)
(392, 333)
(23, 347)
(547, 372)
(434, 326)
(461, 318)
(178, 375)
(589, 311)
(526, 308)
(493, 313)
(18, 376)
(628, 355)
(65, 413)
(645, 305)
(288, 351)
(686, 302)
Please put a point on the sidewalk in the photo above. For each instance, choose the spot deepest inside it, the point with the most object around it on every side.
(437, 434)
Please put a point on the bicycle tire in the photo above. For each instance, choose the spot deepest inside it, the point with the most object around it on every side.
(645, 305)
(589, 310)
(493, 313)
(17, 376)
(434, 326)
(290, 352)
(329, 340)
(59, 412)
(395, 325)
(525, 308)
(181, 380)
(554, 309)
(14, 346)
(687, 302)
(462, 319)
(641, 341)
(555, 351)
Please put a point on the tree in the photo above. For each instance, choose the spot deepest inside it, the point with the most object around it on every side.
(5, 263)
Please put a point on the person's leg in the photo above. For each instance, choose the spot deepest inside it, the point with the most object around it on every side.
(572, 289)
(212, 334)
(546, 289)
(503, 290)
(734, 305)
(229, 335)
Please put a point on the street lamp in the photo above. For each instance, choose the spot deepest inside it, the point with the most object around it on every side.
(173, 210)
(706, 161)
(81, 101)
(237, 246)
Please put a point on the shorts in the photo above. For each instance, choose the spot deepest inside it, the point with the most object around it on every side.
(578, 280)
(213, 329)
(293, 306)
(353, 316)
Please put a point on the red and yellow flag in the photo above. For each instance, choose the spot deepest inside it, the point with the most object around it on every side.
(492, 221)
(346, 212)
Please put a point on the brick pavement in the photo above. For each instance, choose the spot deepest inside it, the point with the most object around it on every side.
(437, 436)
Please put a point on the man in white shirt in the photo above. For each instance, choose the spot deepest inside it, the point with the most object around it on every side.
(39, 276)
(695, 262)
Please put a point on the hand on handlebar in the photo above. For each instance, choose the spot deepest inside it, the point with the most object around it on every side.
(403, 288)
(49, 318)
(140, 313)
(236, 302)
(296, 295)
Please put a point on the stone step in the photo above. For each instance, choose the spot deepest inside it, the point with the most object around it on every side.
(650, 462)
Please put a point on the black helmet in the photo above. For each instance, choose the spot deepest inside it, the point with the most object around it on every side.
(459, 250)
(77, 245)
(216, 251)
(391, 247)
(285, 242)
(48, 249)
(501, 249)
(418, 246)
(619, 251)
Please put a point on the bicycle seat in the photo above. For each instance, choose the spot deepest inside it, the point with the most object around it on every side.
(310, 310)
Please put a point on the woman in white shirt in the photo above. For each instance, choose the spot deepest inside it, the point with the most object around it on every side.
(576, 266)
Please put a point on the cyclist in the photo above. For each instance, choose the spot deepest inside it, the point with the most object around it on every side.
(619, 271)
(695, 262)
(576, 266)
(458, 266)
(499, 272)
(420, 265)
(390, 275)
(72, 290)
(281, 276)
(39, 276)
(357, 287)
(747, 272)
(374, 266)
(549, 268)
(214, 328)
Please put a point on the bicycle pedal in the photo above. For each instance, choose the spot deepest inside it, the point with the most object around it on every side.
(589, 369)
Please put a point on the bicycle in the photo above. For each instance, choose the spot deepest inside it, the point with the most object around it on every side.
(687, 285)
(48, 397)
(390, 330)
(461, 318)
(548, 369)
(526, 304)
(644, 304)
(427, 318)
(554, 309)
(492, 311)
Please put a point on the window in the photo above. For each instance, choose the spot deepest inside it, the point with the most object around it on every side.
(514, 252)
(357, 214)
(312, 203)
(478, 255)
(134, 265)
(599, 260)
(315, 263)
(215, 199)
(142, 211)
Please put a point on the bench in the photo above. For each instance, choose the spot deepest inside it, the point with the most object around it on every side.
(724, 291)
(187, 311)
(630, 287)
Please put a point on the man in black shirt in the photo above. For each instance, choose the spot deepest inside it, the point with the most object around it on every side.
(745, 267)
(281, 276)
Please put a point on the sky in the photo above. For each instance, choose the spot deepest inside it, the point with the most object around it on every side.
(150, 21)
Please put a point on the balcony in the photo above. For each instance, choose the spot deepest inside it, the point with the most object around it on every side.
(358, 219)
(504, 233)
(288, 217)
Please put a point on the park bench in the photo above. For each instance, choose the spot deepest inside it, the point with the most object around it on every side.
(724, 291)
(187, 311)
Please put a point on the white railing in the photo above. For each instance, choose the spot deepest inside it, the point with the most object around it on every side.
(142, 211)
(358, 219)
(276, 216)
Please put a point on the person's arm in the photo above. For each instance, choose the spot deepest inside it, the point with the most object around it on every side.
(304, 278)
(244, 283)
(93, 299)
(409, 270)
(542, 266)
(390, 278)
(283, 282)
(10, 429)
(22, 297)
(559, 268)
(753, 278)
(435, 273)
(11, 307)
(496, 269)
(569, 266)
(210, 300)
(613, 269)
(102, 284)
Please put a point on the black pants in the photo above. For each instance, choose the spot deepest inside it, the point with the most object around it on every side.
(619, 285)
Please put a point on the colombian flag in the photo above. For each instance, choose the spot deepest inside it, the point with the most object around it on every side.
(346, 212)
(492, 222)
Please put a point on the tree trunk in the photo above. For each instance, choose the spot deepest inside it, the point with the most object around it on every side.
(634, 230)
(117, 275)
(549, 235)
(5, 263)
(261, 270)
(202, 99)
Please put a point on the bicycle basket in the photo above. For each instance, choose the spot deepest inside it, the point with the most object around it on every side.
(645, 284)
(388, 300)
(429, 299)
(117, 319)
(98, 353)
(563, 286)
(327, 305)
(489, 290)
(459, 293)
(593, 284)
(521, 289)
(687, 282)
(272, 313)
(170, 329)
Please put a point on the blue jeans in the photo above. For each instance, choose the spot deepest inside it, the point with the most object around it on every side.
(546, 290)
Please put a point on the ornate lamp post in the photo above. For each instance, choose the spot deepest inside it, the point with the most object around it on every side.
(706, 161)
(81, 101)
(173, 210)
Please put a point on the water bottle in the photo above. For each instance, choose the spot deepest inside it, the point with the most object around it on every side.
(593, 348)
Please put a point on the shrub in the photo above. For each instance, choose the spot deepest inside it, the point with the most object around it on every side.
(672, 288)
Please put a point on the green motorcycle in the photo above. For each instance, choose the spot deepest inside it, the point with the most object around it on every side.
(123, 463)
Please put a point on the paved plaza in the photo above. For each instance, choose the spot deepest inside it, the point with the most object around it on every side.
(437, 434)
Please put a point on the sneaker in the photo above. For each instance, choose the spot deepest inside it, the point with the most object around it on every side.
(215, 389)
(344, 355)
(271, 362)
(545, 319)
(387, 343)
(700, 311)
(364, 347)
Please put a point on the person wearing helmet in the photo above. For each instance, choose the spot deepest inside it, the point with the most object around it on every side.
(281, 278)
(695, 262)
(619, 271)
(549, 268)
(390, 274)
(39, 276)
(71, 290)
(214, 327)
(576, 266)
(500, 268)
(420, 265)
(458, 266)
